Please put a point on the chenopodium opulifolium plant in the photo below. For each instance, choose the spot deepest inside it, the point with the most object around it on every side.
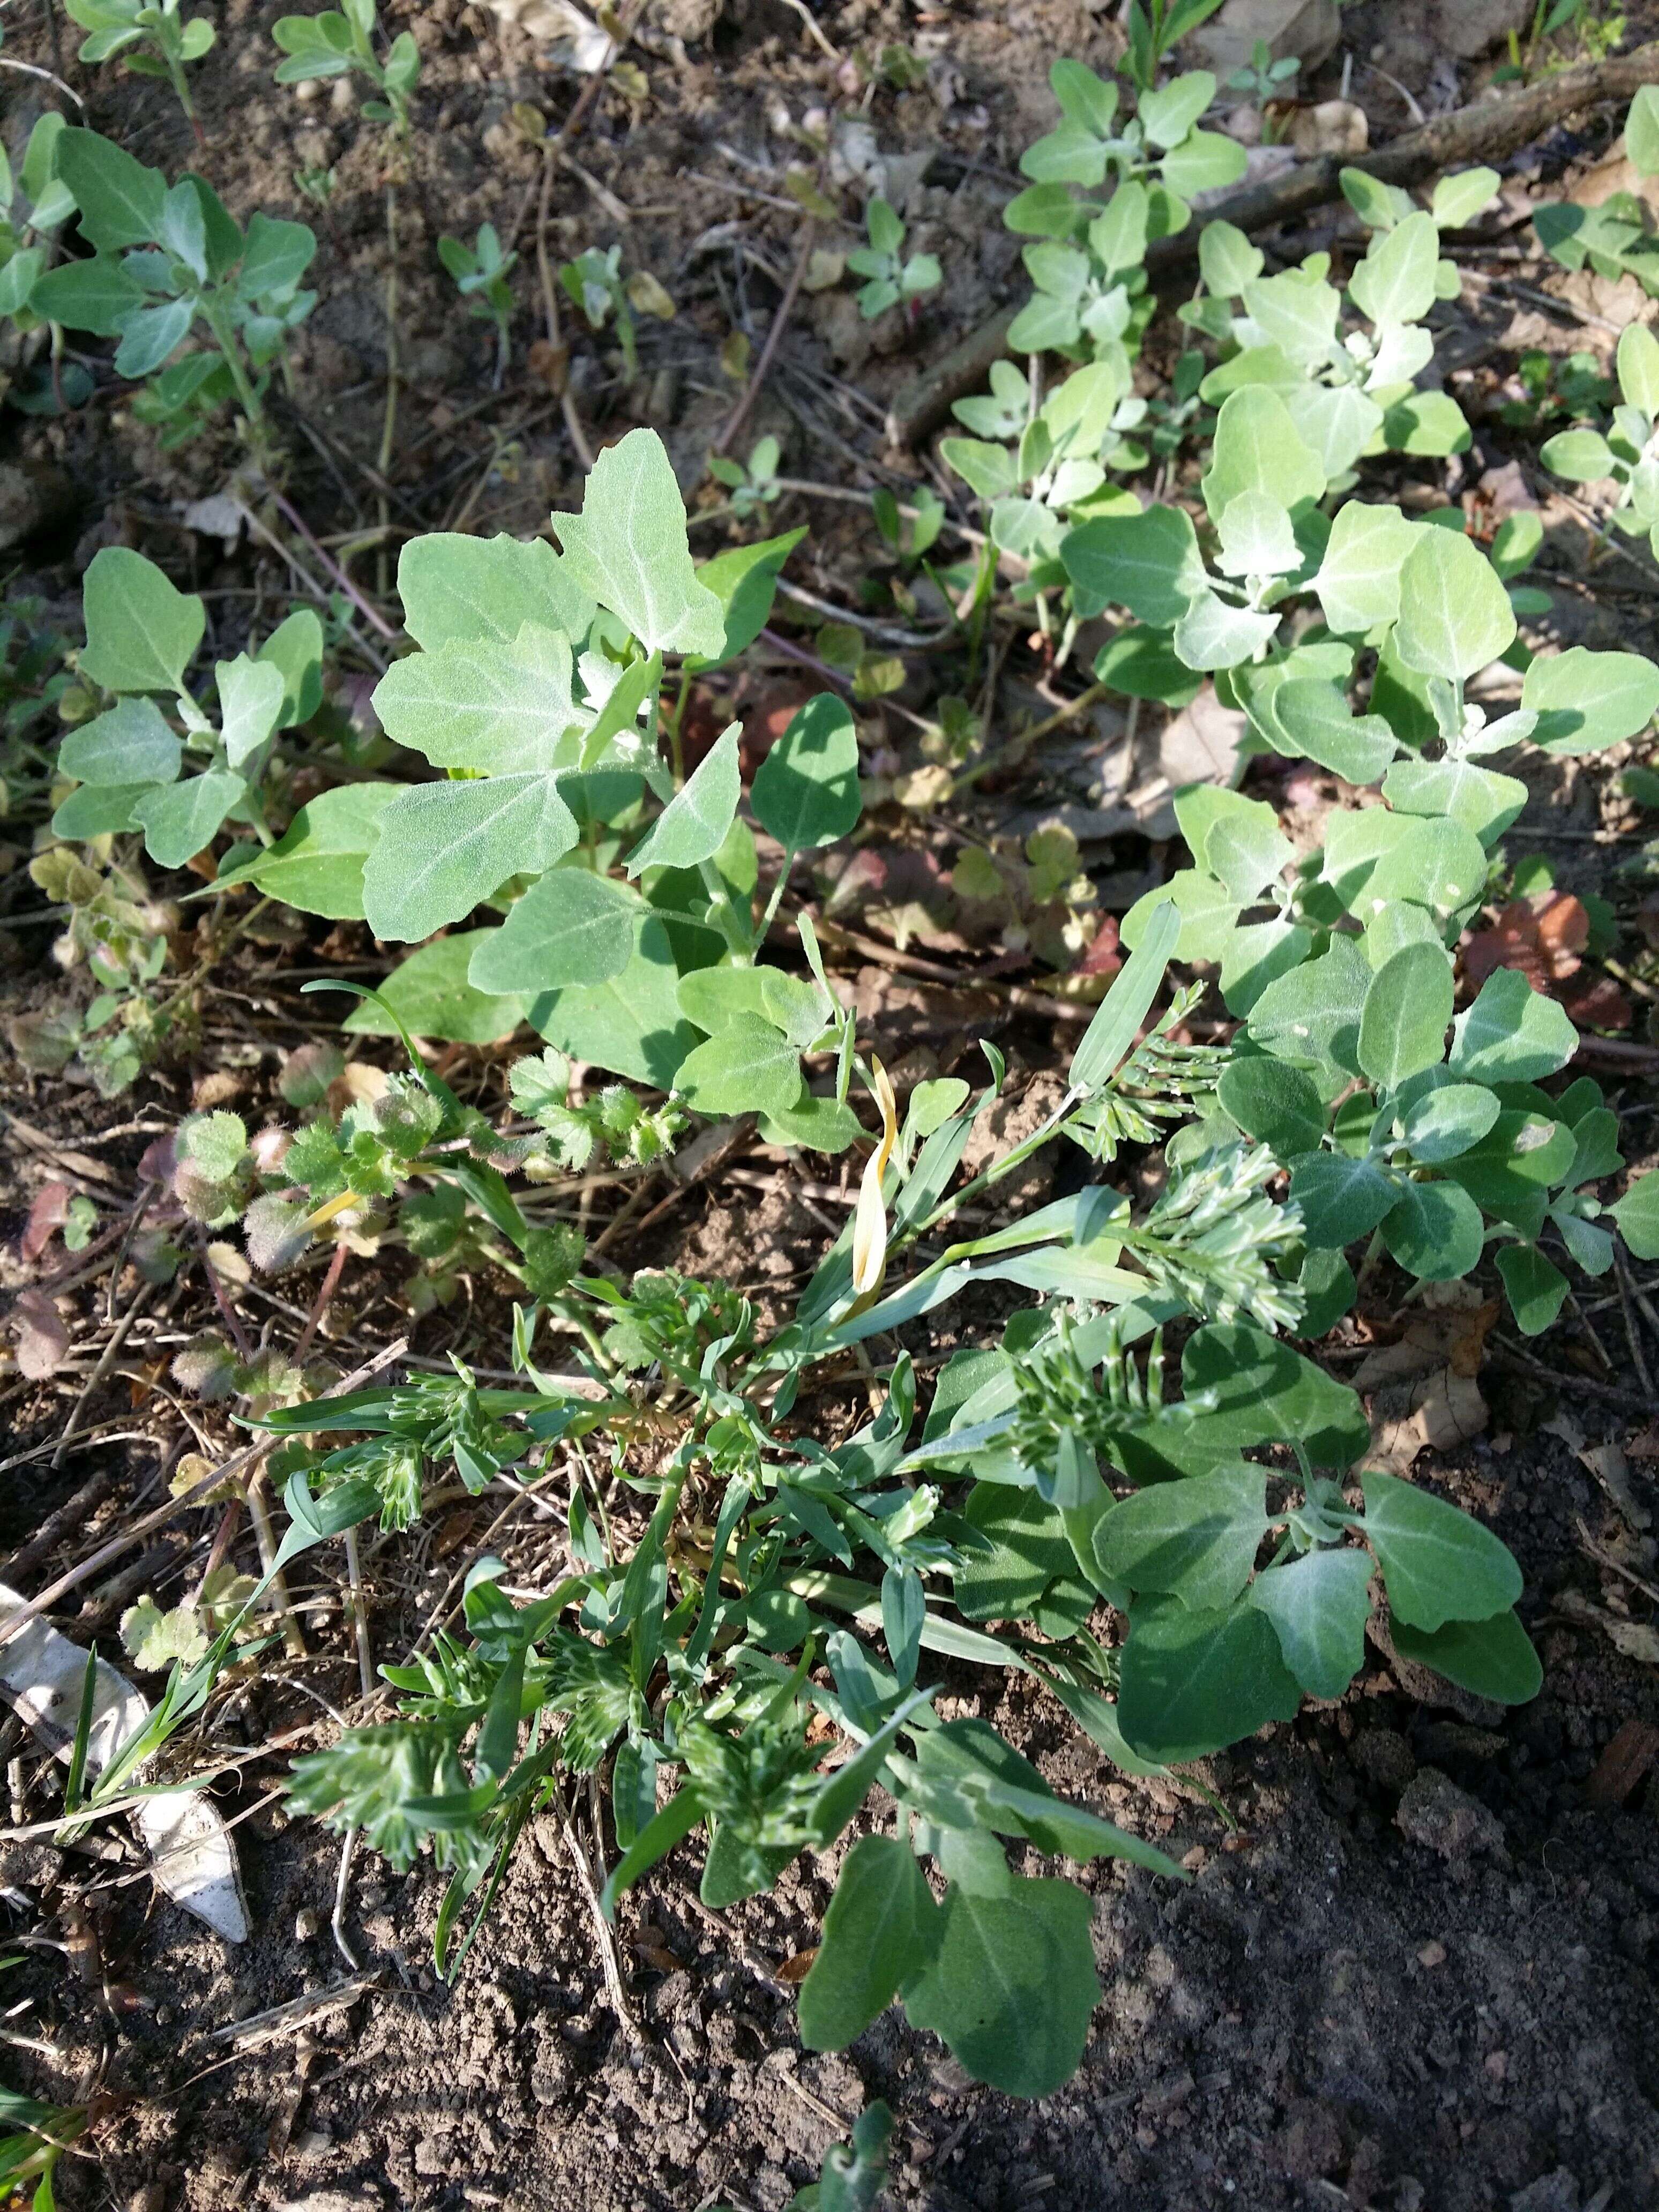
(1339, 962)
(33, 203)
(688, 1657)
(1352, 388)
(150, 34)
(537, 692)
(892, 279)
(1628, 454)
(142, 635)
(1615, 239)
(166, 259)
(340, 42)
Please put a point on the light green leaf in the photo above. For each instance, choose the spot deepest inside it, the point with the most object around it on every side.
(1257, 537)
(179, 819)
(142, 634)
(1439, 865)
(317, 864)
(476, 590)
(1512, 1034)
(1205, 162)
(1457, 199)
(251, 695)
(1491, 1658)
(1638, 368)
(745, 579)
(1261, 1392)
(1318, 720)
(1010, 1985)
(627, 548)
(1311, 1016)
(1212, 633)
(504, 706)
(805, 792)
(1585, 701)
(1435, 1232)
(1358, 580)
(692, 826)
(878, 1930)
(1447, 1119)
(631, 1025)
(1637, 1215)
(1168, 114)
(96, 809)
(1454, 615)
(431, 996)
(444, 846)
(746, 1067)
(1582, 456)
(1338, 423)
(1149, 563)
(1319, 1605)
(1257, 448)
(129, 744)
(1429, 423)
(1245, 849)
(1483, 801)
(1196, 1540)
(1641, 130)
(121, 202)
(1296, 313)
(1116, 1021)
(1227, 260)
(1395, 282)
(1407, 1010)
(572, 927)
(1192, 1682)
(1437, 1563)
(1339, 1199)
(295, 648)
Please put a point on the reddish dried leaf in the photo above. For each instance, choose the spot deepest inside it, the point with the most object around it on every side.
(46, 1216)
(43, 1337)
(1631, 1754)
(1595, 1002)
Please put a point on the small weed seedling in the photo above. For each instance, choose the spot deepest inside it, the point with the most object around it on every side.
(480, 272)
(753, 484)
(1627, 454)
(151, 36)
(1613, 238)
(892, 280)
(595, 282)
(341, 43)
(1263, 80)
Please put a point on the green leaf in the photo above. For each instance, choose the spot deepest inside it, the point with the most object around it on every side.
(805, 792)
(1196, 1540)
(459, 590)
(1446, 1121)
(747, 1067)
(572, 927)
(96, 809)
(1025, 1548)
(130, 744)
(1395, 282)
(430, 994)
(1141, 663)
(1439, 865)
(1490, 1658)
(1408, 1011)
(96, 295)
(1512, 1034)
(631, 1025)
(1168, 114)
(1425, 422)
(1276, 1104)
(1522, 1156)
(444, 846)
(1638, 368)
(1437, 1563)
(1318, 722)
(1637, 1215)
(1226, 260)
(627, 548)
(1116, 1021)
(1435, 1232)
(250, 694)
(502, 706)
(1149, 563)
(1482, 801)
(1213, 633)
(317, 864)
(295, 648)
(877, 1933)
(179, 819)
(1454, 615)
(745, 580)
(1192, 1682)
(1257, 448)
(1583, 456)
(1205, 162)
(1457, 199)
(1244, 848)
(121, 202)
(1010, 1985)
(1359, 578)
(142, 634)
(1339, 1199)
(276, 255)
(692, 826)
(1311, 1016)
(1319, 1605)
(1585, 701)
(1535, 1286)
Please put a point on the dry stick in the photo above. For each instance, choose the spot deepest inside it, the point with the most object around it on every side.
(237, 1464)
(1487, 129)
(573, 420)
(740, 413)
(111, 1351)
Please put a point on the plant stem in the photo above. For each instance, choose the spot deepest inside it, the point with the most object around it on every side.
(389, 422)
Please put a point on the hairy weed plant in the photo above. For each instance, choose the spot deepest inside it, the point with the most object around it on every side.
(891, 278)
(151, 37)
(480, 272)
(1615, 239)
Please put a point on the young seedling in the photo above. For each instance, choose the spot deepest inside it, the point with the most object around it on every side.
(1263, 80)
(595, 282)
(341, 43)
(1627, 454)
(753, 485)
(150, 34)
(892, 280)
(480, 272)
(1154, 27)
